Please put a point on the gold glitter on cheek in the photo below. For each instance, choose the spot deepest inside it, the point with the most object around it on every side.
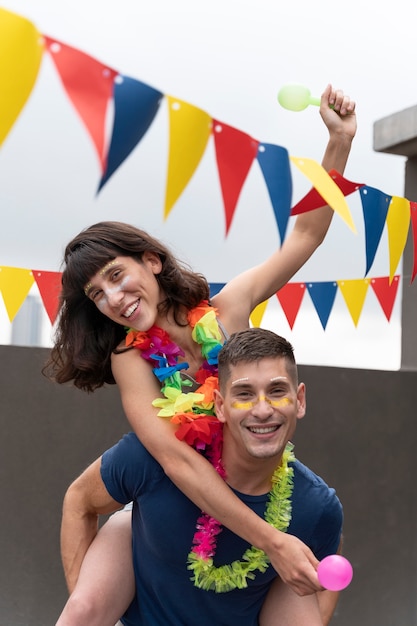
(277, 404)
(243, 405)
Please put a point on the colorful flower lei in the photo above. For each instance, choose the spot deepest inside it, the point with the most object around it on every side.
(199, 427)
(192, 411)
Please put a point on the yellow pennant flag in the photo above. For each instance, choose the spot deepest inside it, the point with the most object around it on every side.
(21, 49)
(258, 313)
(398, 223)
(326, 187)
(189, 131)
(15, 284)
(354, 293)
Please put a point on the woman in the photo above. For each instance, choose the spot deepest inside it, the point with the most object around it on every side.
(117, 276)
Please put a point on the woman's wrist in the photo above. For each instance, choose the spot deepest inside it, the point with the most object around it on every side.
(337, 152)
(270, 540)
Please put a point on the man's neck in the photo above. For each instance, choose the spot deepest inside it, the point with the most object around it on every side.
(251, 476)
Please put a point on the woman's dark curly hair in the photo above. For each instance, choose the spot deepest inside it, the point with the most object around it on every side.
(84, 337)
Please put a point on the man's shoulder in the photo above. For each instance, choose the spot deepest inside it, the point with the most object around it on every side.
(129, 447)
(304, 473)
(128, 469)
(310, 484)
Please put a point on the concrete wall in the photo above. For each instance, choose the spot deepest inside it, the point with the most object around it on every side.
(359, 434)
(397, 134)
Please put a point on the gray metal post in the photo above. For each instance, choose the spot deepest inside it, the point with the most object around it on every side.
(397, 134)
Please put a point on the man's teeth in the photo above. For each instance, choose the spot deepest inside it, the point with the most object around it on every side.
(263, 430)
(131, 309)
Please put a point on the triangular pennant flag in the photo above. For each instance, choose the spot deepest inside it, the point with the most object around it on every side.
(89, 85)
(189, 131)
(313, 200)
(354, 293)
(413, 217)
(290, 297)
(398, 224)
(323, 296)
(374, 208)
(21, 49)
(257, 314)
(49, 285)
(215, 288)
(135, 106)
(275, 165)
(15, 284)
(326, 187)
(235, 152)
(386, 293)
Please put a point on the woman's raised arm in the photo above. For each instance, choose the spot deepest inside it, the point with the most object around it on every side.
(242, 294)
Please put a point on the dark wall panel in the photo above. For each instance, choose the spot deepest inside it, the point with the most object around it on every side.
(359, 434)
(49, 434)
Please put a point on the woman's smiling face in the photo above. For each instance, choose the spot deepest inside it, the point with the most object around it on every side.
(126, 290)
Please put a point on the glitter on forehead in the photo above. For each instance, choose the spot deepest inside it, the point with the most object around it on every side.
(100, 273)
(106, 267)
(240, 380)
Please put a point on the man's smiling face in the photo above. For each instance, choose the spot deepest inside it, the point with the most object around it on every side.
(260, 407)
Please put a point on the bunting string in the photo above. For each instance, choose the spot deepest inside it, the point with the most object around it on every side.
(16, 283)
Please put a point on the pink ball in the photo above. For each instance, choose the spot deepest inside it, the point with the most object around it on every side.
(334, 572)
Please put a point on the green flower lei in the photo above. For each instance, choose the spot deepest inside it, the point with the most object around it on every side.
(278, 513)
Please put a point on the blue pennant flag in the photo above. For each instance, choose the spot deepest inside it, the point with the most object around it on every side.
(375, 206)
(323, 296)
(275, 166)
(215, 288)
(135, 106)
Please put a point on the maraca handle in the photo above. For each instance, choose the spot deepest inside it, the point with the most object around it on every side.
(315, 101)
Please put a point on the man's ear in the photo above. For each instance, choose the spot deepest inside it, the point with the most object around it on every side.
(219, 406)
(301, 400)
(153, 261)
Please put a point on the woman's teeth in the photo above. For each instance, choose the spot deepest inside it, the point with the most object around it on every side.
(131, 309)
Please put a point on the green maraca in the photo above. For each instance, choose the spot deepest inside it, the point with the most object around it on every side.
(296, 98)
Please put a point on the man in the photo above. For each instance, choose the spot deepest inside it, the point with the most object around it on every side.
(188, 569)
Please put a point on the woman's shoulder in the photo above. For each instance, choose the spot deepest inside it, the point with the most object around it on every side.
(121, 348)
(126, 360)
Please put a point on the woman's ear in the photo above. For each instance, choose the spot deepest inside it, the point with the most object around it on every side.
(153, 261)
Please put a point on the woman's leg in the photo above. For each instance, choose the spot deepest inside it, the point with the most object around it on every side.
(283, 607)
(106, 584)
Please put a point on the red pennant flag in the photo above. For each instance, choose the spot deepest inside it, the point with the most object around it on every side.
(313, 199)
(386, 292)
(235, 152)
(49, 285)
(290, 297)
(413, 210)
(89, 85)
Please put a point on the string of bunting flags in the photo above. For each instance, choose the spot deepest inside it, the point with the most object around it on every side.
(92, 87)
(15, 284)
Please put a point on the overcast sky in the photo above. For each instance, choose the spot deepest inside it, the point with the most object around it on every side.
(230, 58)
